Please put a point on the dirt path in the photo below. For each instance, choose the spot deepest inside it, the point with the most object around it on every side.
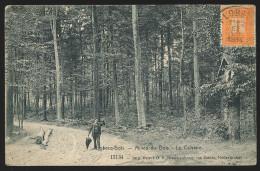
(67, 147)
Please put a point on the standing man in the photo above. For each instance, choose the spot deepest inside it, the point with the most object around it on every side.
(96, 132)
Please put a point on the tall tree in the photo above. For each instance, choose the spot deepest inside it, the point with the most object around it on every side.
(8, 93)
(234, 116)
(57, 63)
(182, 87)
(161, 72)
(44, 98)
(146, 75)
(115, 93)
(155, 70)
(196, 72)
(95, 61)
(114, 63)
(138, 79)
(170, 68)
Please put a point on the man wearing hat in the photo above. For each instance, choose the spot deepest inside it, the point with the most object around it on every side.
(96, 132)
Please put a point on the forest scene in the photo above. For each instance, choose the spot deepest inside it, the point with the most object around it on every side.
(157, 75)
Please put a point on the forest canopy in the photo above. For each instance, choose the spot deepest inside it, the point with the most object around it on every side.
(134, 65)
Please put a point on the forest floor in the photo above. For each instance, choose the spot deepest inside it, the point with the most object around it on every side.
(138, 147)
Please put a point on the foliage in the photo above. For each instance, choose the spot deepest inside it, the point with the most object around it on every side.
(29, 43)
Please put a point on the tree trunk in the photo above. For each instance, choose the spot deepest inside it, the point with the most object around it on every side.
(184, 109)
(191, 93)
(146, 77)
(8, 95)
(50, 89)
(253, 98)
(50, 95)
(81, 104)
(72, 82)
(95, 62)
(126, 87)
(155, 71)
(75, 97)
(22, 107)
(24, 104)
(102, 56)
(17, 106)
(161, 72)
(15, 89)
(57, 63)
(73, 101)
(182, 87)
(44, 104)
(107, 87)
(115, 89)
(138, 80)
(20, 117)
(196, 72)
(28, 100)
(63, 106)
(115, 94)
(37, 105)
(224, 107)
(146, 74)
(24, 93)
(170, 70)
(14, 100)
(234, 116)
(82, 72)
(44, 93)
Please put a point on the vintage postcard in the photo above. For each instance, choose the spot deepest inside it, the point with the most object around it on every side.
(124, 85)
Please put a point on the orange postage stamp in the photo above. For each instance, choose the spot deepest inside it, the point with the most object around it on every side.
(238, 25)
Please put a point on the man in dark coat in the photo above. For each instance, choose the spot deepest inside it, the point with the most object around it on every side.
(96, 132)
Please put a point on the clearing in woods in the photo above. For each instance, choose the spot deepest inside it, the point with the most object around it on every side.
(67, 148)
